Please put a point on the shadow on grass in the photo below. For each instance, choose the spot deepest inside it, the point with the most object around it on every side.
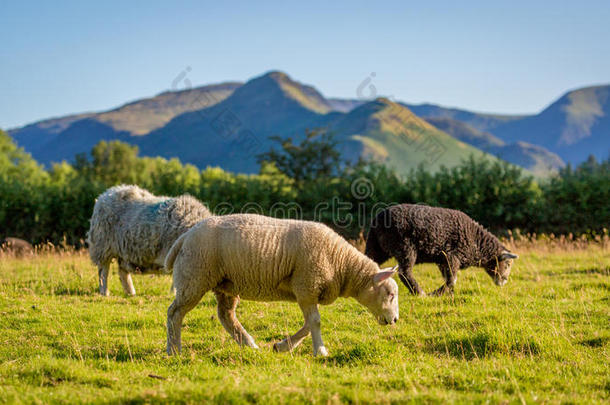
(135, 324)
(77, 291)
(594, 285)
(227, 396)
(245, 356)
(118, 352)
(360, 354)
(53, 375)
(596, 342)
(481, 345)
(593, 270)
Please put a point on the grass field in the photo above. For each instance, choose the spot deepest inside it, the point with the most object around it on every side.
(544, 337)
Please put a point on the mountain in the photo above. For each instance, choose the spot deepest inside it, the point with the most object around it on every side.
(345, 104)
(60, 138)
(231, 133)
(575, 126)
(535, 158)
(465, 132)
(229, 124)
(388, 132)
(479, 121)
(532, 157)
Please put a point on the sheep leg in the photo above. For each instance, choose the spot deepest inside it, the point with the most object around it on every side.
(405, 273)
(293, 341)
(226, 314)
(175, 314)
(313, 320)
(126, 281)
(102, 272)
(450, 275)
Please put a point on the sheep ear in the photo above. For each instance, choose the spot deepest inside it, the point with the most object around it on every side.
(507, 255)
(384, 275)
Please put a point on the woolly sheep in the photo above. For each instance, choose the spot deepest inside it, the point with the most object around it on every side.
(266, 259)
(15, 246)
(451, 239)
(137, 228)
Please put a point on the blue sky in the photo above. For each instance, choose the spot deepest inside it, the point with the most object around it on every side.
(509, 57)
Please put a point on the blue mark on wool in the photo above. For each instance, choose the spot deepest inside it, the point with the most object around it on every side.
(153, 210)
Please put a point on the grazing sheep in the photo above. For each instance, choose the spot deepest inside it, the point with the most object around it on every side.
(266, 259)
(15, 246)
(451, 239)
(137, 228)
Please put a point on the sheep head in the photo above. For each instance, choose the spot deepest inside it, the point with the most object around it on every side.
(381, 296)
(499, 268)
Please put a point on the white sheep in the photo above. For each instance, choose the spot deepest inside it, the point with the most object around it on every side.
(266, 259)
(137, 228)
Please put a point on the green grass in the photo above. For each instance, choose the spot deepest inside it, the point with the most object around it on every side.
(544, 337)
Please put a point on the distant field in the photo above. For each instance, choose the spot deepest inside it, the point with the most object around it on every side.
(544, 337)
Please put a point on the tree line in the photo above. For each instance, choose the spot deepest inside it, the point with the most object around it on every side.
(305, 179)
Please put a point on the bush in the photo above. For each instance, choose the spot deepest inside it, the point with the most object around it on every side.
(55, 205)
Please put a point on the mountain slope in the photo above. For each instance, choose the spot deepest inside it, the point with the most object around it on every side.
(144, 116)
(231, 133)
(466, 133)
(34, 137)
(228, 124)
(532, 157)
(56, 139)
(535, 158)
(390, 133)
(479, 121)
(574, 126)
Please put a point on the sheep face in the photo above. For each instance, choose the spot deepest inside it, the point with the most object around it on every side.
(499, 269)
(381, 297)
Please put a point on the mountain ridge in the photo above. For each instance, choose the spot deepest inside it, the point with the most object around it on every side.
(574, 126)
(274, 104)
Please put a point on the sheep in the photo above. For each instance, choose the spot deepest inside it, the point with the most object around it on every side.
(421, 234)
(137, 228)
(15, 246)
(266, 259)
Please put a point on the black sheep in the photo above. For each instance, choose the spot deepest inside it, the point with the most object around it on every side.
(421, 234)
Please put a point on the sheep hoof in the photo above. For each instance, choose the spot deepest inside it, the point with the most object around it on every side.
(322, 352)
(279, 347)
(442, 291)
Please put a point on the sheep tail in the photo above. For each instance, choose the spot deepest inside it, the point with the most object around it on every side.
(173, 253)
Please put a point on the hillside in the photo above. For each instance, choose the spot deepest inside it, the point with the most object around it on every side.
(532, 157)
(535, 158)
(465, 132)
(574, 126)
(388, 132)
(231, 133)
(228, 124)
(60, 138)
(479, 121)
